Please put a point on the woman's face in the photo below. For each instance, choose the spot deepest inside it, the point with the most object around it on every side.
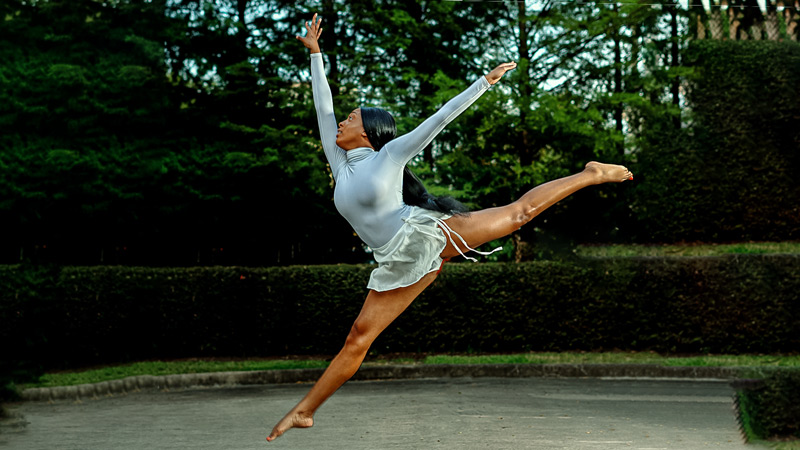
(351, 132)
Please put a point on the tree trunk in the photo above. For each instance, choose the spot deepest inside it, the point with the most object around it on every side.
(525, 151)
(426, 87)
(634, 80)
(618, 88)
(522, 248)
(674, 62)
(243, 33)
(328, 16)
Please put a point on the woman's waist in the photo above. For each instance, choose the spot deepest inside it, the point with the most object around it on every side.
(412, 216)
(377, 229)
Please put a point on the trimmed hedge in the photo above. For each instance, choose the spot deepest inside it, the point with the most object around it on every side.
(769, 409)
(729, 174)
(83, 315)
(25, 313)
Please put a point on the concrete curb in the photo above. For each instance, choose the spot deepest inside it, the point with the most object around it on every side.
(172, 382)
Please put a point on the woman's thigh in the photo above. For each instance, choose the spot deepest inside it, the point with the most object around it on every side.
(480, 227)
(382, 308)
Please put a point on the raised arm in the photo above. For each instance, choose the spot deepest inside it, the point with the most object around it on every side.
(402, 149)
(323, 100)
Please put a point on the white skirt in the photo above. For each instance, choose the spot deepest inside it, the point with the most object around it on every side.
(415, 250)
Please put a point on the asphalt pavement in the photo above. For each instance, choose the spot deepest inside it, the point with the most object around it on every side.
(440, 413)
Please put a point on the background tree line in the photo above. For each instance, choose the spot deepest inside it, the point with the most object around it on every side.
(182, 132)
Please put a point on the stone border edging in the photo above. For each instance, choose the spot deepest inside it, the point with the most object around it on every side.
(169, 382)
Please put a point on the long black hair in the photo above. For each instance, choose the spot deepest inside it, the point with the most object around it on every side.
(380, 128)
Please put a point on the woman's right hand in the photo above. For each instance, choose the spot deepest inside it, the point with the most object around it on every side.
(495, 75)
(311, 39)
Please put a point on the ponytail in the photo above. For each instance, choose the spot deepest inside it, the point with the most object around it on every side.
(415, 194)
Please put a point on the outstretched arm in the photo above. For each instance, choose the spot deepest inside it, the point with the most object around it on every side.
(323, 100)
(402, 149)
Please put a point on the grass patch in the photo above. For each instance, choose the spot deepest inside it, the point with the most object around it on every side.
(620, 358)
(116, 372)
(168, 368)
(791, 445)
(688, 249)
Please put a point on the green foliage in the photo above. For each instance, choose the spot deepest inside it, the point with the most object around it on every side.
(731, 304)
(26, 296)
(114, 153)
(729, 176)
(560, 108)
(154, 132)
(183, 132)
(770, 408)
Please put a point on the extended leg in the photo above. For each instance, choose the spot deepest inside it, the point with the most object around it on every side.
(379, 310)
(483, 226)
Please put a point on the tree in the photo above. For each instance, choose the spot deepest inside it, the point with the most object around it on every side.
(180, 127)
(114, 153)
(588, 76)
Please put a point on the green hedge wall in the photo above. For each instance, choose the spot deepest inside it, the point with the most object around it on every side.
(769, 408)
(729, 174)
(84, 315)
(25, 314)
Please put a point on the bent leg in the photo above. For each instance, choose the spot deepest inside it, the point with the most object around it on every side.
(379, 310)
(485, 225)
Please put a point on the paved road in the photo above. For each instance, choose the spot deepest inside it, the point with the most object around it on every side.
(454, 413)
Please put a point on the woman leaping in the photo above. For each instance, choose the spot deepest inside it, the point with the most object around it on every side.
(409, 231)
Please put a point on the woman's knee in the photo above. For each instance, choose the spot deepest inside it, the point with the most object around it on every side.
(358, 340)
(521, 214)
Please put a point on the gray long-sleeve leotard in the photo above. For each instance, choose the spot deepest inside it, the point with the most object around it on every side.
(369, 184)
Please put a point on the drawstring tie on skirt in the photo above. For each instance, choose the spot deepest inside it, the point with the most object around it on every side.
(450, 232)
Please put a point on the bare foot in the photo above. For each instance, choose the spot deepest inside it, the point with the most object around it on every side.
(608, 173)
(292, 420)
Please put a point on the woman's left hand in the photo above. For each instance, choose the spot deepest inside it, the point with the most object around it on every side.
(313, 31)
(495, 75)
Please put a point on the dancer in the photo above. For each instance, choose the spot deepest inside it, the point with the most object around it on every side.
(410, 233)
